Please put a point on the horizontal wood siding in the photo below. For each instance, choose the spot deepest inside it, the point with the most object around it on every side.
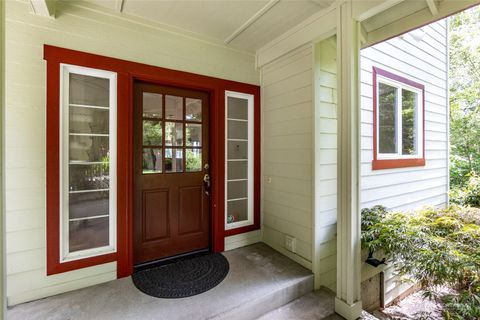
(403, 189)
(326, 163)
(85, 28)
(287, 153)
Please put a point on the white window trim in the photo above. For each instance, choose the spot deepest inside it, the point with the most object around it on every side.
(65, 255)
(250, 176)
(418, 114)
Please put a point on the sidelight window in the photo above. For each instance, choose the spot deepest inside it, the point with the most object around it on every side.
(87, 162)
(239, 160)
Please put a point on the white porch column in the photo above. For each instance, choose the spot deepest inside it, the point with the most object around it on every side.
(348, 301)
(3, 301)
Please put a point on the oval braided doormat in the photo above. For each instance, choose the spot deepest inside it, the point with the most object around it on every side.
(183, 278)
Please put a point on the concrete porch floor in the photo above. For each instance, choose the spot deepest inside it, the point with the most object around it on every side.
(260, 280)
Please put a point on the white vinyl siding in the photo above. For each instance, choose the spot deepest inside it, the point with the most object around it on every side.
(80, 27)
(287, 153)
(326, 163)
(410, 188)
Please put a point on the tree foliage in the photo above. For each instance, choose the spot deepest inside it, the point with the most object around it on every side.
(464, 75)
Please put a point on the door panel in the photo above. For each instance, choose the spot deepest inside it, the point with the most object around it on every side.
(155, 222)
(189, 218)
(171, 203)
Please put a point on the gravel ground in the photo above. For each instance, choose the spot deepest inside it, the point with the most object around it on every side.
(414, 307)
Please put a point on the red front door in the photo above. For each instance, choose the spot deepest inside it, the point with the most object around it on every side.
(171, 201)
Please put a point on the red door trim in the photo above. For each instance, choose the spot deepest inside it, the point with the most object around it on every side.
(128, 72)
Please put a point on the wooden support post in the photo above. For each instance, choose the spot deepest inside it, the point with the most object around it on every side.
(348, 300)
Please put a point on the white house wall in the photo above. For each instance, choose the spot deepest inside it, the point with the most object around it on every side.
(424, 62)
(94, 30)
(289, 111)
(325, 167)
(287, 153)
(408, 188)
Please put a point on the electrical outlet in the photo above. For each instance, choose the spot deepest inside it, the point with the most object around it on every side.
(291, 243)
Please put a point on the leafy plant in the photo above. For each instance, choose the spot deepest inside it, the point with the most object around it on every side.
(433, 248)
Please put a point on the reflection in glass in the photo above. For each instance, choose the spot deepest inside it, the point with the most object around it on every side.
(387, 106)
(88, 120)
(88, 204)
(237, 129)
(194, 134)
(152, 160)
(173, 160)
(409, 122)
(152, 133)
(89, 176)
(88, 90)
(152, 105)
(237, 211)
(237, 189)
(173, 134)
(237, 150)
(237, 108)
(237, 170)
(193, 109)
(89, 148)
(173, 108)
(88, 234)
(194, 160)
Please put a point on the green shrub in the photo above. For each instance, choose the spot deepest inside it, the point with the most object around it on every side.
(433, 248)
(469, 195)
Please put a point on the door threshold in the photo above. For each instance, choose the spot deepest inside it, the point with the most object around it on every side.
(168, 260)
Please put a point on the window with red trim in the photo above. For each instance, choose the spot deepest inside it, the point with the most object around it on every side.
(399, 131)
(81, 181)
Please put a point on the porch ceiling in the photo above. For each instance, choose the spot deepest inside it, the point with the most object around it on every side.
(246, 25)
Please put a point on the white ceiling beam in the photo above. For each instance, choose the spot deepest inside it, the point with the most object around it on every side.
(43, 8)
(119, 5)
(433, 7)
(416, 20)
(363, 34)
(363, 9)
(317, 27)
(250, 21)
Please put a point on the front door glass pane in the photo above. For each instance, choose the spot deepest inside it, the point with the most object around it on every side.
(152, 105)
(173, 160)
(152, 133)
(173, 107)
(173, 134)
(194, 134)
(194, 160)
(193, 109)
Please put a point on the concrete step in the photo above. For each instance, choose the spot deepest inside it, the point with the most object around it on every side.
(318, 305)
(314, 305)
(265, 280)
(260, 280)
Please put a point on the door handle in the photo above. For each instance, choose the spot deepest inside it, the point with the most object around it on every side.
(206, 183)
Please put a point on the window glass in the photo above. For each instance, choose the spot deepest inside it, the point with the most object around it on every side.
(193, 109)
(87, 161)
(239, 109)
(409, 122)
(387, 108)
